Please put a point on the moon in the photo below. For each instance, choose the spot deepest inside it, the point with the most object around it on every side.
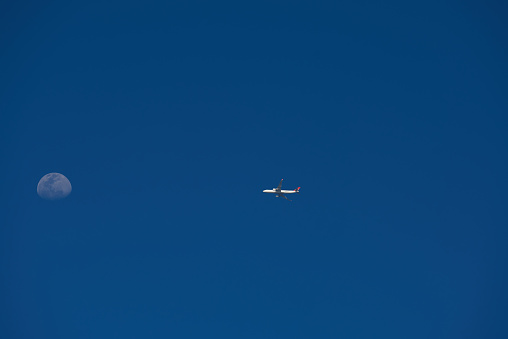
(54, 186)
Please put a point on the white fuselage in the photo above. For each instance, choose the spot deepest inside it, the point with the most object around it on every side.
(279, 191)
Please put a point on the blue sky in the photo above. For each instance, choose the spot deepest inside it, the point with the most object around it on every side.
(170, 118)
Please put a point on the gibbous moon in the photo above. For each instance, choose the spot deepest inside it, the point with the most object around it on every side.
(54, 186)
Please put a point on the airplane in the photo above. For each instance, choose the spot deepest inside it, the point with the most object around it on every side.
(280, 193)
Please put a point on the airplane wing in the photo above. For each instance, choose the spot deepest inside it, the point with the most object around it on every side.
(280, 184)
(282, 195)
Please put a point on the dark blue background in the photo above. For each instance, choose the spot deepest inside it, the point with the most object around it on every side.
(170, 119)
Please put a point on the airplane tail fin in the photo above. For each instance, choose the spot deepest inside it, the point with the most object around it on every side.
(298, 190)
